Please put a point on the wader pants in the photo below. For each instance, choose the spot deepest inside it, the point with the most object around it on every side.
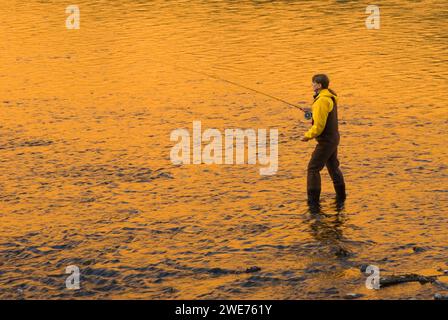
(325, 154)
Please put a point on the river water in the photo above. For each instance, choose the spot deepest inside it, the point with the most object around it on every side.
(85, 173)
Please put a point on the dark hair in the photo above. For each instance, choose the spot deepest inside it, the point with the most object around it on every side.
(322, 79)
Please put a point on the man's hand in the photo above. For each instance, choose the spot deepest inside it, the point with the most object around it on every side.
(305, 139)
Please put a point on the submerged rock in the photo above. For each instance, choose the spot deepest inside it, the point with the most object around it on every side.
(363, 268)
(353, 295)
(253, 269)
(331, 290)
(342, 252)
(397, 279)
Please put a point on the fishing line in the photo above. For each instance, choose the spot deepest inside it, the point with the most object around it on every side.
(307, 113)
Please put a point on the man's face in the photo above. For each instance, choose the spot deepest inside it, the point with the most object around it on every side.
(317, 86)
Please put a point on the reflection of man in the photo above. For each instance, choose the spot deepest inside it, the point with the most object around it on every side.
(325, 131)
(328, 231)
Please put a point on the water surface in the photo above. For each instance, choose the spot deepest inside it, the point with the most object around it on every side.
(85, 174)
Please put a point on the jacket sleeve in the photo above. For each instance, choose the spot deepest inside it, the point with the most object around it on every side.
(321, 108)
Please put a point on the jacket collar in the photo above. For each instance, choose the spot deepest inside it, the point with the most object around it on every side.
(321, 92)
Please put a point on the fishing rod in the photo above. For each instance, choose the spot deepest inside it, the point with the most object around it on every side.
(307, 113)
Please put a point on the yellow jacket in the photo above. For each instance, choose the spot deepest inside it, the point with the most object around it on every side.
(322, 106)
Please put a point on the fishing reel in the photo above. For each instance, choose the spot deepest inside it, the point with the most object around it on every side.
(308, 115)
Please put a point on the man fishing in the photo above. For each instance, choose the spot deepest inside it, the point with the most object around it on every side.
(325, 130)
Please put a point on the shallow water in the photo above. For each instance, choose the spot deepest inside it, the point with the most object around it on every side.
(85, 174)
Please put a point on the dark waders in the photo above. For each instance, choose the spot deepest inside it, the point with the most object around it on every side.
(326, 154)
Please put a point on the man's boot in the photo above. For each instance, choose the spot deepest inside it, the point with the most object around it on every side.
(313, 197)
(340, 192)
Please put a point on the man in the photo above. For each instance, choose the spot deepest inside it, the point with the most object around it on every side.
(325, 130)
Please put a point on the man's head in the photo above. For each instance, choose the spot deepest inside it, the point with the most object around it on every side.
(320, 81)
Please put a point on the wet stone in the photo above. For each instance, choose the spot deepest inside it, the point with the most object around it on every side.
(363, 268)
(331, 290)
(353, 296)
(253, 269)
(418, 249)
